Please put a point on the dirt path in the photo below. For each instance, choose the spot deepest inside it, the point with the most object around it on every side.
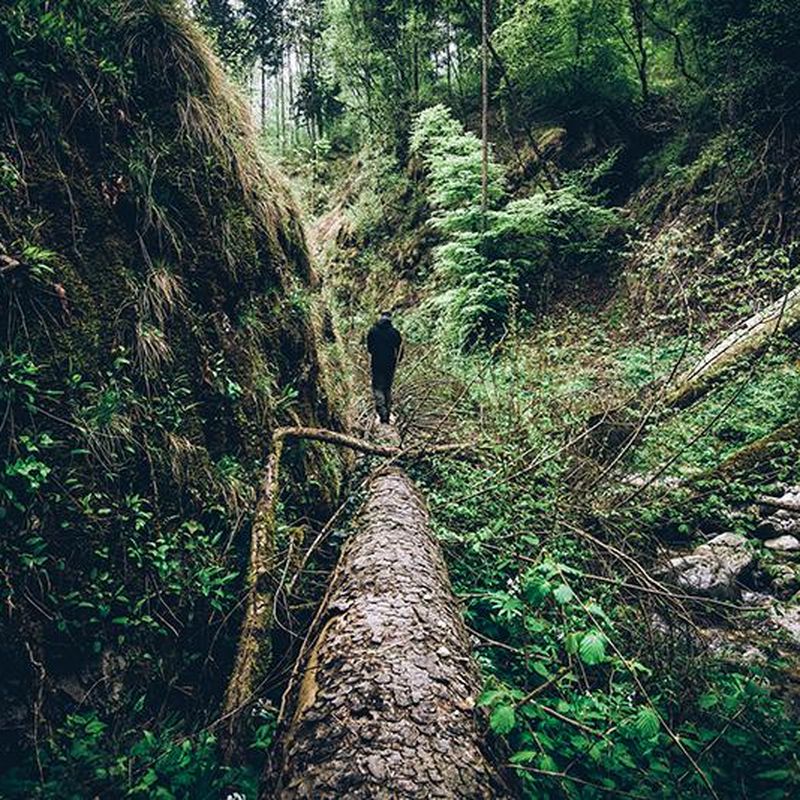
(383, 707)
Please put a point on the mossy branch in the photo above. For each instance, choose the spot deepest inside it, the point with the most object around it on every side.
(748, 339)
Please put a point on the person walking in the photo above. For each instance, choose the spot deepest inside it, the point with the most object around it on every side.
(384, 344)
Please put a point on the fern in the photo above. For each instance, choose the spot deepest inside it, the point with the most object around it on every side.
(502, 719)
(492, 261)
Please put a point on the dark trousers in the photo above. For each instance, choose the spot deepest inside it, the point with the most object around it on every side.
(382, 392)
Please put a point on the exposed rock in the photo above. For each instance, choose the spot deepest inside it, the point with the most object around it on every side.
(783, 544)
(781, 523)
(788, 501)
(784, 580)
(713, 568)
(781, 515)
(787, 618)
(735, 647)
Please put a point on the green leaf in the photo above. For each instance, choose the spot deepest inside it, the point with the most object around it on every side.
(563, 594)
(592, 648)
(647, 723)
(708, 700)
(490, 696)
(523, 756)
(536, 590)
(502, 719)
(775, 775)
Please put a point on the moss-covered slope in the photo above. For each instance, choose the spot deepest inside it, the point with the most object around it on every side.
(153, 280)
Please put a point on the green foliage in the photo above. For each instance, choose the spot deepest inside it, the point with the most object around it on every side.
(740, 412)
(493, 262)
(453, 159)
(569, 54)
(156, 328)
(565, 691)
(81, 759)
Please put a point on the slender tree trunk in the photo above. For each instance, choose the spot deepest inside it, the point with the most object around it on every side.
(416, 61)
(282, 107)
(448, 60)
(484, 106)
(637, 15)
(251, 89)
(263, 94)
(312, 116)
(459, 78)
(292, 127)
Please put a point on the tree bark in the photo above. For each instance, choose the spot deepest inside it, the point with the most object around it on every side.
(253, 653)
(484, 107)
(749, 338)
(263, 70)
(637, 17)
(382, 699)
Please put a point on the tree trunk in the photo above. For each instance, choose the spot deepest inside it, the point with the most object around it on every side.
(448, 61)
(484, 106)
(751, 457)
(253, 653)
(637, 16)
(384, 690)
(263, 94)
(749, 338)
(292, 127)
(282, 106)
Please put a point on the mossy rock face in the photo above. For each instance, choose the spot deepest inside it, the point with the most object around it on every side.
(152, 338)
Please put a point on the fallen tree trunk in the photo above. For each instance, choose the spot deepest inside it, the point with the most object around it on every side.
(382, 700)
(749, 338)
(760, 452)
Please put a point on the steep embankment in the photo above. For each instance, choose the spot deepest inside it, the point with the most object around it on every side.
(154, 330)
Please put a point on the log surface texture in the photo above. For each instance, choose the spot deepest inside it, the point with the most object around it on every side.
(383, 703)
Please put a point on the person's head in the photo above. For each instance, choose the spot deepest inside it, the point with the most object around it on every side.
(385, 317)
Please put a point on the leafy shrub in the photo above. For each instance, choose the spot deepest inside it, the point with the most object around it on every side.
(82, 759)
(491, 261)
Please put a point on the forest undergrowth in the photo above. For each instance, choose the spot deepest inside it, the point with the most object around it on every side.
(601, 678)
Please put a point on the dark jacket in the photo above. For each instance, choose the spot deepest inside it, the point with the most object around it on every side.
(384, 342)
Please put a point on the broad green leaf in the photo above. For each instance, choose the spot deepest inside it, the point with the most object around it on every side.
(708, 700)
(592, 648)
(647, 723)
(563, 594)
(490, 696)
